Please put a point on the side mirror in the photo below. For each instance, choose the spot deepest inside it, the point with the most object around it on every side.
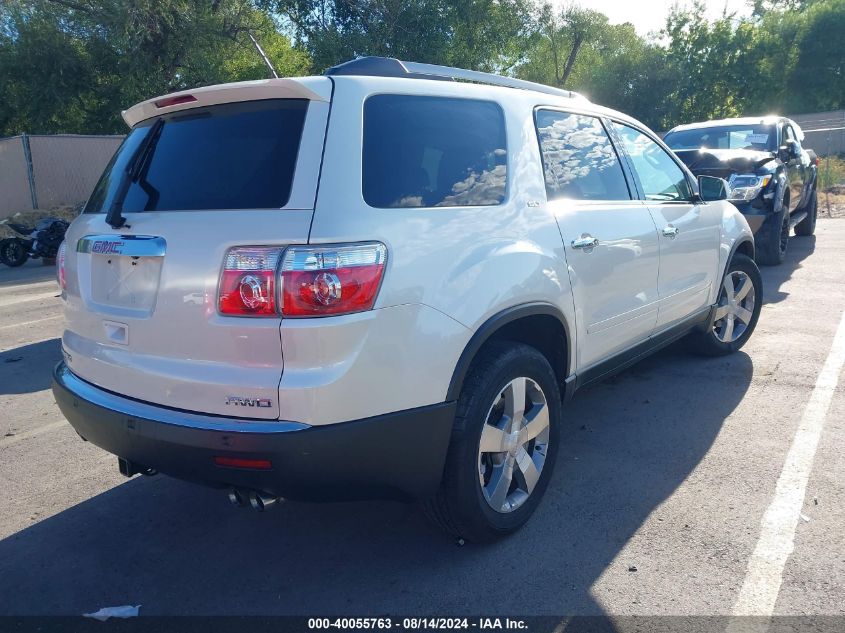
(711, 188)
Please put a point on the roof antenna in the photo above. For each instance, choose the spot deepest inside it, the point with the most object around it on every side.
(263, 54)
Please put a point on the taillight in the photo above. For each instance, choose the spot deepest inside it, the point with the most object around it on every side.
(61, 255)
(248, 284)
(333, 279)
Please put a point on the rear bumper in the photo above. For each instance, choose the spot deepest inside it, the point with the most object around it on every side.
(396, 456)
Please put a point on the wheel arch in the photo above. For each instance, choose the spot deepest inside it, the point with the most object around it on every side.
(743, 246)
(541, 325)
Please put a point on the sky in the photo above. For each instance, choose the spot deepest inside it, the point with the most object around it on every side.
(650, 15)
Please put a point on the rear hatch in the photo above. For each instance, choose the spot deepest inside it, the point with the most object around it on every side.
(199, 173)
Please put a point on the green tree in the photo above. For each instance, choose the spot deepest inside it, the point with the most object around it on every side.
(816, 80)
(475, 34)
(73, 65)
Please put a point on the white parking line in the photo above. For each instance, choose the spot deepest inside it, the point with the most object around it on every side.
(763, 578)
(10, 301)
(22, 323)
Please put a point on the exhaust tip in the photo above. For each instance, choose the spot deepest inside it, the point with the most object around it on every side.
(236, 498)
(261, 501)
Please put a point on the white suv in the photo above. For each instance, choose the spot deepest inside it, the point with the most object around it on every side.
(376, 283)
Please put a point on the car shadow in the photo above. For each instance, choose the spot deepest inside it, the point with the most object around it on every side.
(799, 249)
(28, 368)
(174, 548)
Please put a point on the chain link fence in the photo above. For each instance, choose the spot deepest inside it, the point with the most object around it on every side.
(43, 172)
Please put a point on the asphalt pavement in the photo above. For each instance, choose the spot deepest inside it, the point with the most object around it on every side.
(665, 484)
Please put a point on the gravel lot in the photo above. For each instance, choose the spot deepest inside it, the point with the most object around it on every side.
(655, 507)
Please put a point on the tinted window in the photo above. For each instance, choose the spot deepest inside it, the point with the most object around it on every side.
(233, 156)
(758, 137)
(659, 175)
(787, 130)
(578, 158)
(433, 152)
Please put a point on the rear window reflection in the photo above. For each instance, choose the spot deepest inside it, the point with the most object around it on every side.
(433, 152)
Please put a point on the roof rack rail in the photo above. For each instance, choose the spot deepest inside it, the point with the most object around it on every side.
(390, 67)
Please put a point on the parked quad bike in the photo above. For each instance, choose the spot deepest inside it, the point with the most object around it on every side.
(33, 234)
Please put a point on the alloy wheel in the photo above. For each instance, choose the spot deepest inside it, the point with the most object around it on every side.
(514, 444)
(735, 307)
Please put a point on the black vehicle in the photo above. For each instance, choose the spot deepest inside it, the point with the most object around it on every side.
(771, 178)
(14, 246)
(43, 241)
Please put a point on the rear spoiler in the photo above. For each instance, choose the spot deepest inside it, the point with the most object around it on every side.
(304, 88)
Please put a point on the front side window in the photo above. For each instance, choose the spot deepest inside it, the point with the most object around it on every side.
(790, 135)
(433, 152)
(579, 161)
(659, 176)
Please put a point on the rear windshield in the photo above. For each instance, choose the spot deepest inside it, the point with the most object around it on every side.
(757, 137)
(433, 152)
(231, 156)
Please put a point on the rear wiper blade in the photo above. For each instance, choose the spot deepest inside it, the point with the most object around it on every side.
(133, 169)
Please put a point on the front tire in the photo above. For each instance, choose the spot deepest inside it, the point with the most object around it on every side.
(773, 239)
(807, 226)
(504, 445)
(737, 310)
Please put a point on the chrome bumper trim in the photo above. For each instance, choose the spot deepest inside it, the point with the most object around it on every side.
(155, 413)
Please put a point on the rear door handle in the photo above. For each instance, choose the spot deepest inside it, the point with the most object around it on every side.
(670, 231)
(585, 241)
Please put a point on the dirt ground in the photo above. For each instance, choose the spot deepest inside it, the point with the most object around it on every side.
(832, 205)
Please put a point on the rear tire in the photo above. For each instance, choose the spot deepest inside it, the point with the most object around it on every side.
(486, 494)
(13, 252)
(737, 310)
(807, 226)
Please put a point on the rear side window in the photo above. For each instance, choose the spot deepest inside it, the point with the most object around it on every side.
(231, 156)
(433, 152)
(579, 161)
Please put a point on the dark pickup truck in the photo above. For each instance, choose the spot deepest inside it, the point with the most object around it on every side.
(771, 178)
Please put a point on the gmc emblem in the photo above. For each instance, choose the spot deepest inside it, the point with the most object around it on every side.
(103, 247)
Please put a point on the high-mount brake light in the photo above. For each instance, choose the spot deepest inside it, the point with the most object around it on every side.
(332, 279)
(172, 101)
(248, 284)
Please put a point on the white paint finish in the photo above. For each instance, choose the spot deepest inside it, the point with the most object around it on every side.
(182, 354)
(689, 260)
(614, 285)
(311, 88)
(366, 364)
(467, 262)
(734, 227)
(448, 270)
(763, 578)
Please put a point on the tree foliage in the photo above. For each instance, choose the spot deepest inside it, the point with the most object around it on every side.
(73, 65)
